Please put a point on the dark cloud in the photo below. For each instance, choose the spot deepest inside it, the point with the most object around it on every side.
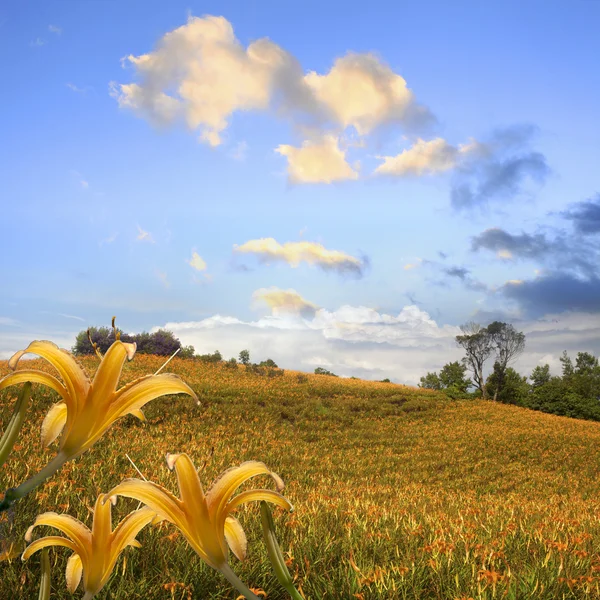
(555, 293)
(500, 169)
(563, 253)
(524, 245)
(442, 255)
(585, 215)
(459, 272)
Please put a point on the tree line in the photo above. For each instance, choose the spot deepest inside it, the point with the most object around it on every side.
(576, 393)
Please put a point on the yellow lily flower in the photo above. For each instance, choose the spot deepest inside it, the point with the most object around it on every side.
(205, 520)
(95, 552)
(88, 408)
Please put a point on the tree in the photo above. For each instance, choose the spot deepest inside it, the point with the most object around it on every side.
(431, 381)
(187, 352)
(514, 388)
(452, 376)
(268, 363)
(103, 336)
(322, 371)
(478, 345)
(508, 343)
(245, 357)
(164, 342)
(567, 364)
(540, 376)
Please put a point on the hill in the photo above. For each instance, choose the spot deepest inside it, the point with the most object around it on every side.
(398, 491)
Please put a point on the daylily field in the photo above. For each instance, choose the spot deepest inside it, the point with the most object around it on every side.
(398, 492)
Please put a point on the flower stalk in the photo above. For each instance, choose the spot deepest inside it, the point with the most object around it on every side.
(45, 577)
(14, 425)
(275, 554)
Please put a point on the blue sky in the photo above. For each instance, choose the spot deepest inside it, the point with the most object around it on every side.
(355, 181)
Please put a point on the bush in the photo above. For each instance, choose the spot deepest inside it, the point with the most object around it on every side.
(215, 357)
(231, 363)
(322, 371)
(245, 357)
(268, 363)
(302, 378)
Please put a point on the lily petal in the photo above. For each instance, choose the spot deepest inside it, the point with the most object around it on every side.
(160, 500)
(35, 377)
(101, 525)
(142, 390)
(236, 538)
(54, 423)
(137, 412)
(224, 487)
(51, 540)
(254, 495)
(77, 531)
(74, 572)
(108, 373)
(129, 527)
(190, 488)
(76, 381)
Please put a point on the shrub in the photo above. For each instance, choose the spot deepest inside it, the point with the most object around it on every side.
(322, 371)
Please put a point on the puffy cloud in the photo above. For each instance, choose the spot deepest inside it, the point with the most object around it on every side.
(197, 262)
(363, 92)
(199, 74)
(293, 253)
(350, 341)
(282, 302)
(321, 161)
(500, 169)
(362, 342)
(585, 215)
(428, 158)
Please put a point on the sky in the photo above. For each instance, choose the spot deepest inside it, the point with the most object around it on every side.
(338, 184)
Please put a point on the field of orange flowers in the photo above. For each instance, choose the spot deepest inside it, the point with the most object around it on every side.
(398, 492)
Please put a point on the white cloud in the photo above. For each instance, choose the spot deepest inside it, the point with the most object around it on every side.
(144, 236)
(294, 253)
(416, 264)
(76, 89)
(239, 151)
(360, 341)
(54, 29)
(362, 92)
(200, 74)
(428, 158)
(321, 161)
(9, 322)
(11, 342)
(351, 341)
(197, 262)
(37, 42)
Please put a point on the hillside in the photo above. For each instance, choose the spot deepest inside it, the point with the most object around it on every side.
(398, 492)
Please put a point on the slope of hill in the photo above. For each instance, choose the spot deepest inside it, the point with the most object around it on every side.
(398, 492)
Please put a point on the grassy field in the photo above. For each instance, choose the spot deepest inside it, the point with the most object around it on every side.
(398, 492)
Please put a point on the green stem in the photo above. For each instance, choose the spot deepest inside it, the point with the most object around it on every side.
(275, 554)
(14, 425)
(14, 494)
(237, 583)
(45, 578)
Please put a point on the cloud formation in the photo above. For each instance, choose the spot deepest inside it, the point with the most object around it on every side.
(197, 262)
(428, 158)
(284, 302)
(268, 250)
(555, 293)
(508, 245)
(501, 169)
(585, 215)
(200, 74)
(321, 161)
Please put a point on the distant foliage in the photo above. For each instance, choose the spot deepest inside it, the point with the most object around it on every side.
(386, 380)
(268, 363)
(452, 380)
(244, 357)
(161, 342)
(322, 371)
(215, 357)
(231, 363)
